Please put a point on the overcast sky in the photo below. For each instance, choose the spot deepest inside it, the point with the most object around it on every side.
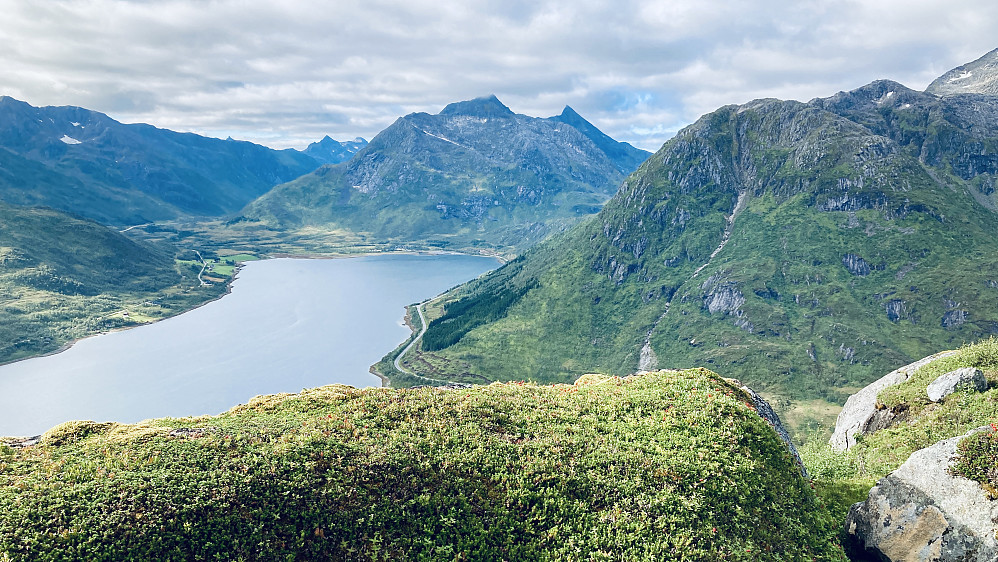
(285, 73)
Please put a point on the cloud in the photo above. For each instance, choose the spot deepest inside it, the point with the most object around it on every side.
(287, 73)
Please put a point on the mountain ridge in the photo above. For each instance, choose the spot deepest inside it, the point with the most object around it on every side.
(801, 247)
(95, 166)
(475, 175)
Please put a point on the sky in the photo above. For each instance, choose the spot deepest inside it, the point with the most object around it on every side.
(286, 73)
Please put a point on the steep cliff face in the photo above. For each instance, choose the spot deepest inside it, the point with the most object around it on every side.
(476, 173)
(805, 247)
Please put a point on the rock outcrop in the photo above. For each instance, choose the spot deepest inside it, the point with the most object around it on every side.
(966, 378)
(860, 415)
(920, 512)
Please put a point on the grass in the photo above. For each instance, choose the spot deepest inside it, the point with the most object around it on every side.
(920, 424)
(665, 466)
(64, 278)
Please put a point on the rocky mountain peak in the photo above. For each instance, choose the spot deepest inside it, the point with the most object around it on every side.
(978, 77)
(489, 106)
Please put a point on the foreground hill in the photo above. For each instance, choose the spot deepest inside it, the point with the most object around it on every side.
(803, 247)
(63, 277)
(665, 466)
(84, 162)
(474, 175)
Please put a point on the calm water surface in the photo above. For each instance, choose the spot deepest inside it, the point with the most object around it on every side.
(288, 324)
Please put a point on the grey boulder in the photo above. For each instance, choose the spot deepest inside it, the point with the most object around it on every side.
(921, 512)
(960, 379)
(860, 415)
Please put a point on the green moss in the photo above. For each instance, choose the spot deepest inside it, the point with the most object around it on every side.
(665, 466)
(977, 459)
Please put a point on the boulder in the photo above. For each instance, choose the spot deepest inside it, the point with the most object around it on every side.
(860, 415)
(920, 512)
(960, 379)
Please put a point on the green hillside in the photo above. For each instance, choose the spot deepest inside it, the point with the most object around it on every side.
(63, 277)
(474, 176)
(803, 248)
(666, 466)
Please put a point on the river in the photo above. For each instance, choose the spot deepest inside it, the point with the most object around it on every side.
(288, 324)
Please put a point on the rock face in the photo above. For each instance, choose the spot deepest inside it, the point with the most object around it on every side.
(920, 512)
(860, 415)
(856, 265)
(947, 384)
(767, 413)
(978, 77)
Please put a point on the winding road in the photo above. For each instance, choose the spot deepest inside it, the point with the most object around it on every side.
(398, 358)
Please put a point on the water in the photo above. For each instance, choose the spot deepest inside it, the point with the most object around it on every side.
(288, 324)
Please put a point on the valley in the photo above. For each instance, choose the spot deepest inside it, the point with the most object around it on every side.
(772, 339)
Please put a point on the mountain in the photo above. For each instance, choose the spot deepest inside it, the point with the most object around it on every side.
(474, 175)
(329, 151)
(84, 162)
(64, 277)
(805, 248)
(978, 77)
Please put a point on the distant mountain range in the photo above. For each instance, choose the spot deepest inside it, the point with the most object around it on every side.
(474, 175)
(329, 151)
(84, 162)
(803, 247)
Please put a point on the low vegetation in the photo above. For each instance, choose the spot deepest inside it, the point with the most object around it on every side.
(672, 465)
(63, 278)
(844, 478)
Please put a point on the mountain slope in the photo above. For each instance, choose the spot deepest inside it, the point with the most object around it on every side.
(86, 163)
(63, 277)
(978, 77)
(475, 175)
(804, 248)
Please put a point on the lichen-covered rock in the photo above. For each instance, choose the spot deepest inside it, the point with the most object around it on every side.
(860, 416)
(966, 378)
(767, 413)
(920, 512)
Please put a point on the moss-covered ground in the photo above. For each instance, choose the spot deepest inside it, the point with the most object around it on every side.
(672, 465)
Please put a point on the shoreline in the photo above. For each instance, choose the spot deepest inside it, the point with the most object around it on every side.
(335, 256)
(228, 290)
(66, 346)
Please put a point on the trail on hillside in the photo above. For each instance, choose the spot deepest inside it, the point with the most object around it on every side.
(647, 360)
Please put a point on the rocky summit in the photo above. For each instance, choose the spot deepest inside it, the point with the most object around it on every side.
(801, 247)
(978, 77)
(476, 175)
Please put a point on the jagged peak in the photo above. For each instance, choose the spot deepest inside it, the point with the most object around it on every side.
(569, 112)
(488, 106)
